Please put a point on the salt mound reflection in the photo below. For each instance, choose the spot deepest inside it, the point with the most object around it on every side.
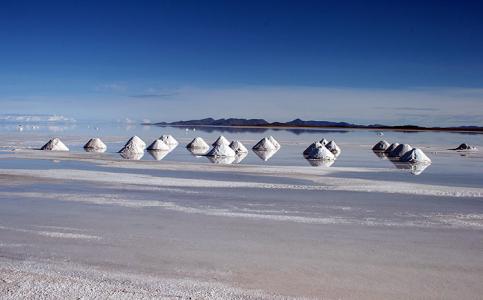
(221, 160)
(265, 154)
(131, 155)
(158, 154)
(320, 162)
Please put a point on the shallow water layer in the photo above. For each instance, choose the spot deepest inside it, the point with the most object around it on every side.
(183, 227)
(292, 243)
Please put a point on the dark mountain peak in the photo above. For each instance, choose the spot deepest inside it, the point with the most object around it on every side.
(219, 122)
(233, 122)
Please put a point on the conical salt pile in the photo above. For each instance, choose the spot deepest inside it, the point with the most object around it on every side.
(391, 148)
(134, 145)
(238, 147)
(198, 143)
(400, 150)
(464, 146)
(221, 141)
(321, 153)
(274, 142)
(312, 147)
(381, 146)
(158, 145)
(415, 156)
(332, 146)
(264, 145)
(324, 142)
(55, 144)
(169, 140)
(95, 144)
(221, 150)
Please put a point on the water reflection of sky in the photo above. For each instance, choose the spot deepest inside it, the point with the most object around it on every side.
(355, 144)
(210, 133)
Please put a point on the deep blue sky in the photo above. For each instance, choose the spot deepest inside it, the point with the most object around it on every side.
(171, 54)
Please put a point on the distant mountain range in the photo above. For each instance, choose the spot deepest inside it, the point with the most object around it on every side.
(298, 123)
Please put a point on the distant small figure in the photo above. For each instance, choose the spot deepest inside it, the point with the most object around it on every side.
(380, 133)
(19, 127)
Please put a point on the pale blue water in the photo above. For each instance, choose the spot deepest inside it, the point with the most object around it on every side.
(448, 169)
(239, 230)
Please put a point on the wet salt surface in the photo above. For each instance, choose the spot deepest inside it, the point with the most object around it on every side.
(293, 243)
(351, 208)
(452, 169)
(290, 242)
(449, 169)
(41, 164)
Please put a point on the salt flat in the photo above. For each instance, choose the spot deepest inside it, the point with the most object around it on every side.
(87, 224)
